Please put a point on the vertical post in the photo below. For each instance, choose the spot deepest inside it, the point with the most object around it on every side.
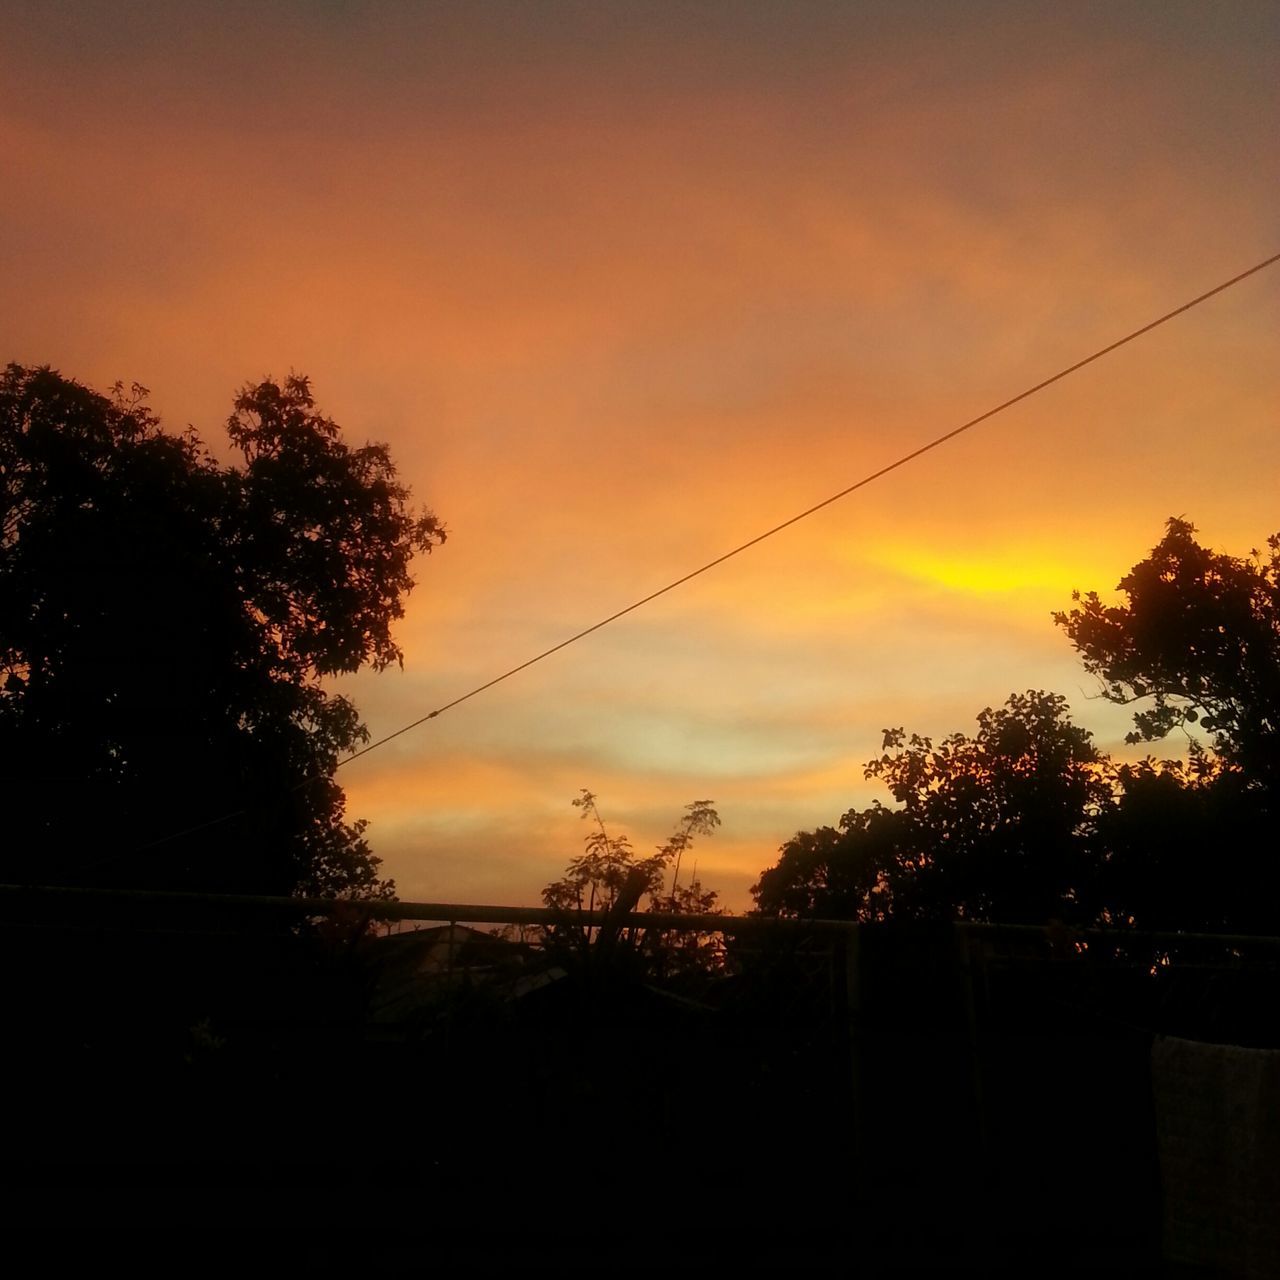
(965, 944)
(849, 944)
(451, 996)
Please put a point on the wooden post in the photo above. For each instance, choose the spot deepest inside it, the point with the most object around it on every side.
(850, 949)
(966, 945)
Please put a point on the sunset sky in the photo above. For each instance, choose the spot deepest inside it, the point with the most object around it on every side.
(624, 285)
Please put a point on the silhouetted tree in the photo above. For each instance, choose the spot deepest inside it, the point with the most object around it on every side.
(1186, 846)
(840, 873)
(609, 878)
(676, 953)
(1197, 641)
(165, 626)
(1195, 644)
(999, 826)
(1028, 821)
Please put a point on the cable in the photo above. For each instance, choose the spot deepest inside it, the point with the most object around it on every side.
(935, 443)
(817, 506)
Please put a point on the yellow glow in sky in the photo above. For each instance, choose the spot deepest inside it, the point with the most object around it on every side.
(1035, 572)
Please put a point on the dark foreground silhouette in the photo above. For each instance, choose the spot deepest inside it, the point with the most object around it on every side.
(908, 1094)
(166, 623)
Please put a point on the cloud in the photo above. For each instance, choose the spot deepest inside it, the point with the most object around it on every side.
(623, 291)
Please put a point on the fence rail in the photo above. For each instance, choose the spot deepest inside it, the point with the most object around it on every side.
(18, 896)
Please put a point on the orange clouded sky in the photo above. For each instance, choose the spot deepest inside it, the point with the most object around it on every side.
(624, 285)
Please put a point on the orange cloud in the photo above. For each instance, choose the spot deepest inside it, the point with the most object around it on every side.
(621, 299)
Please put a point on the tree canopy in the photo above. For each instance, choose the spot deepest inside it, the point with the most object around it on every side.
(993, 826)
(166, 624)
(1196, 641)
(1193, 644)
(610, 879)
(1027, 821)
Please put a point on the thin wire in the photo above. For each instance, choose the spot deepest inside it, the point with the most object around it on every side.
(817, 506)
(935, 443)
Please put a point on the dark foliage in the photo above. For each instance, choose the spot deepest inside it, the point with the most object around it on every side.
(165, 624)
(1197, 642)
(1027, 821)
(1194, 645)
(608, 878)
(1187, 846)
(997, 826)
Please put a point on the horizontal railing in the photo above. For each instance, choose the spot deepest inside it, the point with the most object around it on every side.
(14, 896)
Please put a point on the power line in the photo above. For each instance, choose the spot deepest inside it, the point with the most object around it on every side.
(817, 506)
(873, 476)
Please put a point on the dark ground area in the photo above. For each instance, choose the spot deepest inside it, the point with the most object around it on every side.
(193, 1087)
